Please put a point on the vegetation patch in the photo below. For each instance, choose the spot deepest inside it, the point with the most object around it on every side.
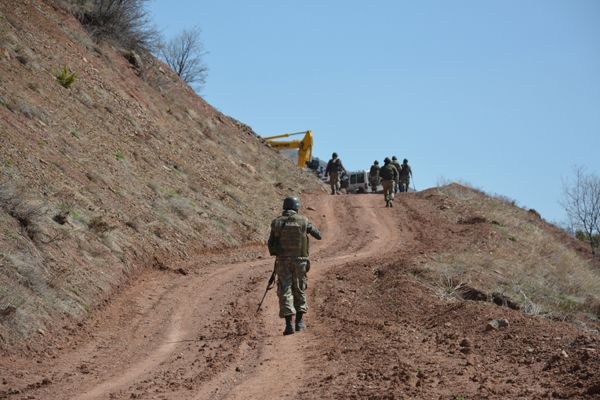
(66, 77)
(515, 262)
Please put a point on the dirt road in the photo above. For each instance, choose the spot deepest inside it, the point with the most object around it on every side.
(370, 334)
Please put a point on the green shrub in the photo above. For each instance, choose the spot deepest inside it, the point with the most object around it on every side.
(66, 77)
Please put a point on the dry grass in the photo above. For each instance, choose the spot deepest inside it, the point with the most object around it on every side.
(521, 258)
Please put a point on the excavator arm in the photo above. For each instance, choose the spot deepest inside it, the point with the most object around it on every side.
(304, 145)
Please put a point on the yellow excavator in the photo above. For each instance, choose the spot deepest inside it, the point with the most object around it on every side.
(303, 145)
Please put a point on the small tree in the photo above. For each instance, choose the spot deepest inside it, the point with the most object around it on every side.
(184, 54)
(581, 201)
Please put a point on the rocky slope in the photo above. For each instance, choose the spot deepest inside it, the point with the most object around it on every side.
(125, 169)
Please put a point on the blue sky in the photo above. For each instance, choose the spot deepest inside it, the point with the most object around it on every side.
(502, 94)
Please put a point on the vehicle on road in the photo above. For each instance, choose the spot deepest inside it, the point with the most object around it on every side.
(355, 181)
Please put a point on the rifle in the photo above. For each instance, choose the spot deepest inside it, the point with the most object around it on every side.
(269, 287)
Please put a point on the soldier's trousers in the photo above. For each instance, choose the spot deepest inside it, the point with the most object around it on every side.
(404, 184)
(291, 285)
(374, 183)
(334, 182)
(388, 190)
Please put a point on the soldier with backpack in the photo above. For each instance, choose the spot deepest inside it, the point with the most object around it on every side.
(388, 174)
(396, 164)
(405, 175)
(334, 170)
(374, 176)
(289, 243)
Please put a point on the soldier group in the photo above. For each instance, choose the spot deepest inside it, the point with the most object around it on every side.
(394, 178)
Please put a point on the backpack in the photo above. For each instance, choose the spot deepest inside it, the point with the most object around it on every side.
(387, 172)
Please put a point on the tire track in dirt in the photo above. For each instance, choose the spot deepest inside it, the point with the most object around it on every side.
(280, 368)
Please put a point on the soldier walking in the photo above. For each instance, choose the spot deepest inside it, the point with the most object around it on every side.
(388, 174)
(405, 175)
(396, 164)
(374, 176)
(289, 243)
(334, 169)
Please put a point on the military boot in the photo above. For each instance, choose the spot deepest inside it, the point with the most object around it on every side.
(300, 325)
(289, 329)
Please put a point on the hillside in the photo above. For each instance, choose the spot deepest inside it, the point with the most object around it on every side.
(133, 219)
(126, 169)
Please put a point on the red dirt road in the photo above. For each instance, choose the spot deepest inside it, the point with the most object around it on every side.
(373, 331)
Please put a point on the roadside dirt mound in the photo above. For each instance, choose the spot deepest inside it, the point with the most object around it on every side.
(394, 327)
(125, 169)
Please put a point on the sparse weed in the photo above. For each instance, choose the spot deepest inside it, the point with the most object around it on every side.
(66, 77)
(120, 156)
(130, 120)
(75, 133)
(33, 86)
(449, 285)
(77, 216)
(98, 225)
(15, 204)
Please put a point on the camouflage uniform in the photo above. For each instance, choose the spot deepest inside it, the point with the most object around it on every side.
(405, 175)
(398, 167)
(334, 168)
(289, 242)
(388, 175)
(374, 177)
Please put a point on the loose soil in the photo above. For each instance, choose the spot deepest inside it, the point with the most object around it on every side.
(375, 331)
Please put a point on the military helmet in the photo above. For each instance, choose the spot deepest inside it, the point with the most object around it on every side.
(376, 162)
(394, 158)
(405, 161)
(387, 160)
(291, 203)
(334, 155)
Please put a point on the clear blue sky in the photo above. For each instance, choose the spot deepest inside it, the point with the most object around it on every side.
(503, 94)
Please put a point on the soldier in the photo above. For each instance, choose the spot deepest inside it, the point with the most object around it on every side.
(289, 243)
(405, 175)
(396, 164)
(334, 169)
(388, 174)
(374, 176)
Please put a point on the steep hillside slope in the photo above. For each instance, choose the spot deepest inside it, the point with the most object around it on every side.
(127, 168)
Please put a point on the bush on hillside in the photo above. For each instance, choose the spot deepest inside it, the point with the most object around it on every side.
(125, 22)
